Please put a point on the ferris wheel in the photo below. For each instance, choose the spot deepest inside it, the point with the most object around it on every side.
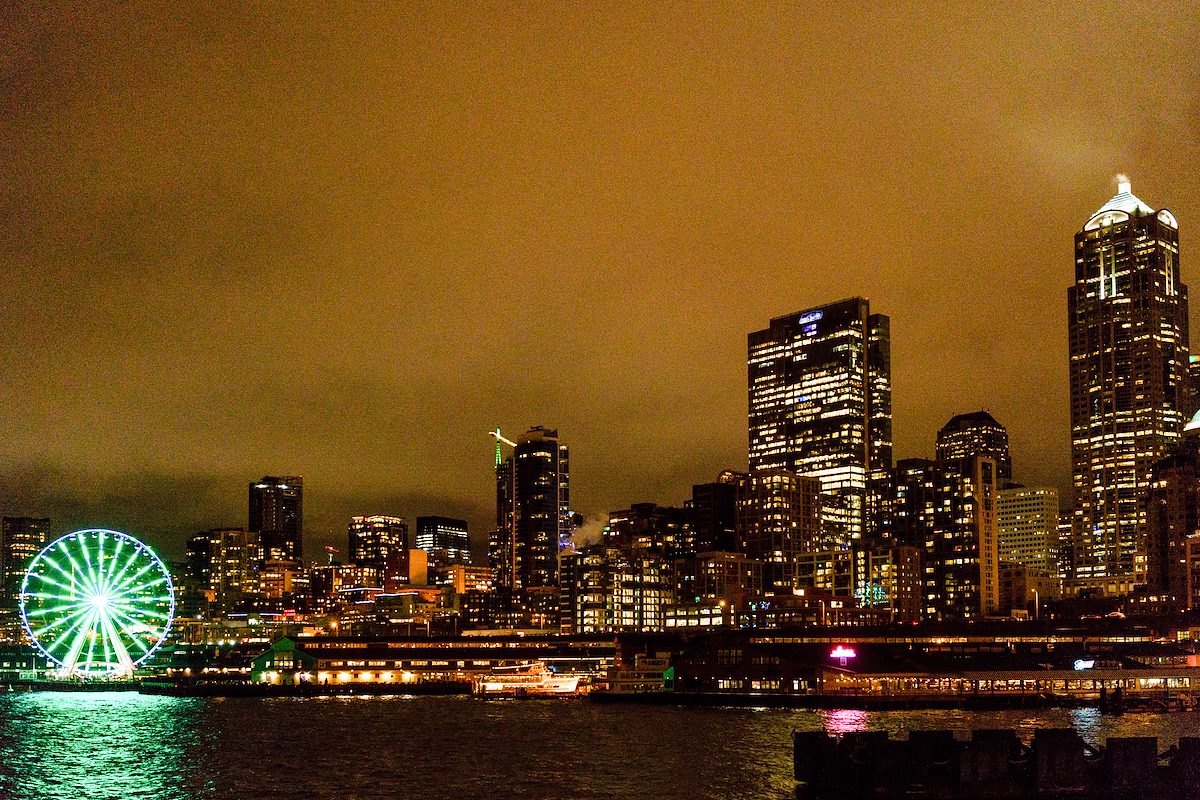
(97, 602)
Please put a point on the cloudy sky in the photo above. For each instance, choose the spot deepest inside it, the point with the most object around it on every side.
(347, 241)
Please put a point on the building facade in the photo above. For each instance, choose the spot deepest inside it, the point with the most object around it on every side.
(778, 519)
(650, 529)
(445, 539)
(375, 539)
(21, 538)
(947, 510)
(976, 434)
(277, 516)
(820, 404)
(1173, 521)
(1027, 522)
(1127, 319)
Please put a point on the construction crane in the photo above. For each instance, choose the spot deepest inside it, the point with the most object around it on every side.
(500, 438)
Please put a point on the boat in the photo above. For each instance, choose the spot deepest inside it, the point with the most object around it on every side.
(533, 679)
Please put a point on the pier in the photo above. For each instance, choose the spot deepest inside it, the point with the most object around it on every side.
(993, 763)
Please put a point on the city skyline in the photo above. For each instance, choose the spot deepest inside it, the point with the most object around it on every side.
(602, 285)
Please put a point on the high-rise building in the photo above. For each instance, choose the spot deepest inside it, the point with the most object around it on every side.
(1027, 524)
(948, 511)
(778, 519)
(277, 516)
(20, 540)
(820, 392)
(221, 564)
(1173, 521)
(446, 538)
(533, 516)
(976, 434)
(714, 515)
(373, 539)
(1128, 332)
(648, 528)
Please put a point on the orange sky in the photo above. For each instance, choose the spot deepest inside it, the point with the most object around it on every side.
(346, 242)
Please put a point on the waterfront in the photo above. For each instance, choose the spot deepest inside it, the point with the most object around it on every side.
(59, 746)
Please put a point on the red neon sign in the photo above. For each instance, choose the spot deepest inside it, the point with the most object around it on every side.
(841, 652)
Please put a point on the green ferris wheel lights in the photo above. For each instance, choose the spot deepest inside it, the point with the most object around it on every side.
(97, 602)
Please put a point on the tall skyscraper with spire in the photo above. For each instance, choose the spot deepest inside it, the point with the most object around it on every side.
(533, 511)
(1128, 336)
(820, 387)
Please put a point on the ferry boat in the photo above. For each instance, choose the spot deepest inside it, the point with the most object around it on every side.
(534, 679)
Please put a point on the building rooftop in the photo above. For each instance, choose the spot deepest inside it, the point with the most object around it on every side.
(1123, 204)
(975, 419)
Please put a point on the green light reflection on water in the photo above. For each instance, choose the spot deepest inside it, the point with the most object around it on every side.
(119, 745)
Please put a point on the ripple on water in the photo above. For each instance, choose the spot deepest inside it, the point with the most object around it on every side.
(128, 746)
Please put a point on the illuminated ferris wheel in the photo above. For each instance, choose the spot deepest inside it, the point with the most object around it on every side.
(97, 602)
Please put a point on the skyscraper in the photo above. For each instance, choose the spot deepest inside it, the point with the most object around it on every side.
(820, 388)
(375, 539)
(20, 540)
(947, 509)
(1173, 521)
(976, 434)
(446, 537)
(533, 517)
(778, 518)
(277, 515)
(221, 563)
(1128, 336)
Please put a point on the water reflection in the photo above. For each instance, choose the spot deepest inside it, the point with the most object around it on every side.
(70, 745)
(844, 720)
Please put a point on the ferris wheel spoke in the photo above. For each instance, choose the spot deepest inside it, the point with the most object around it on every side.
(74, 618)
(120, 572)
(69, 599)
(89, 571)
(81, 636)
(127, 581)
(130, 621)
(56, 613)
(71, 586)
(113, 638)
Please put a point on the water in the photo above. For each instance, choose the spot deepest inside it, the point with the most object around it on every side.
(125, 746)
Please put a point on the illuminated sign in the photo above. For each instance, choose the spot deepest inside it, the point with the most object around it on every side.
(843, 653)
(811, 316)
(1084, 663)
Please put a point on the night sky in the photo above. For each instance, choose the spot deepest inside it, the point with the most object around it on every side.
(347, 242)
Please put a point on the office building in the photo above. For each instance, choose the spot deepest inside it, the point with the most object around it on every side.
(1130, 390)
(714, 514)
(976, 434)
(820, 404)
(1173, 520)
(277, 516)
(533, 516)
(21, 538)
(373, 539)
(445, 539)
(221, 565)
(947, 510)
(1027, 524)
(778, 518)
(650, 529)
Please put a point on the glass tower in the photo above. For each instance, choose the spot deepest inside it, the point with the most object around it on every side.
(1128, 336)
(277, 515)
(820, 385)
(533, 516)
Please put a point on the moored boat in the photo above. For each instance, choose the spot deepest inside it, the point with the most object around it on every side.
(534, 679)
